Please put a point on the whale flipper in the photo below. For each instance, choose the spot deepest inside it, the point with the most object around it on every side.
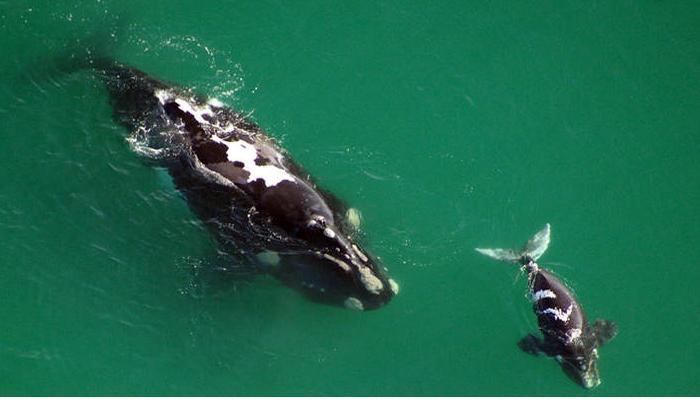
(604, 331)
(534, 248)
(535, 346)
(531, 344)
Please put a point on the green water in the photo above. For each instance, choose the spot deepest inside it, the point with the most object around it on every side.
(449, 125)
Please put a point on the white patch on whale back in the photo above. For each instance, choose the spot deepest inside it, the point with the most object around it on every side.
(163, 96)
(573, 334)
(246, 153)
(543, 294)
(354, 304)
(370, 280)
(559, 314)
(237, 150)
(215, 102)
(198, 112)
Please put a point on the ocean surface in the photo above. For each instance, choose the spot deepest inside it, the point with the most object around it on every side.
(449, 125)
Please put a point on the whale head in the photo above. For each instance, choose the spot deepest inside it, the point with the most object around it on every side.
(330, 267)
(582, 367)
(336, 270)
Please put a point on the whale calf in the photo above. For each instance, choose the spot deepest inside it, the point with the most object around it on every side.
(246, 189)
(566, 334)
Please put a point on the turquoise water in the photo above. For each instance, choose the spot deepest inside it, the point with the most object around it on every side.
(448, 125)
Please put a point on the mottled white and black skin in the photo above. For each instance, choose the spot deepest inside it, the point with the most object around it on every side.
(567, 336)
(566, 333)
(246, 189)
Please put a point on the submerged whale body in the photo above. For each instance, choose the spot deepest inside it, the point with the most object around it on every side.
(246, 190)
(566, 334)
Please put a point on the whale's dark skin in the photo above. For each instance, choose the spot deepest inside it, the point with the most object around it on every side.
(247, 190)
(566, 333)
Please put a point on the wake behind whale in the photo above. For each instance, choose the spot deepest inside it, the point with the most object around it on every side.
(245, 188)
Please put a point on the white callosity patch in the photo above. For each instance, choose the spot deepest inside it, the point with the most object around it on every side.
(268, 257)
(394, 286)
(246, 153)
(543, 294)
(329, 233)
(360, 254)
(342, 264)
(370, 280)
(354, 304)
(559, 314)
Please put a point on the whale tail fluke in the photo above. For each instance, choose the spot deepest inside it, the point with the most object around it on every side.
(507, 255)
(93, 51)
(534, 248)
(75, 53)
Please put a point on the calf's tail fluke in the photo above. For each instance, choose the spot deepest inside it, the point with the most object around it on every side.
(533, 249)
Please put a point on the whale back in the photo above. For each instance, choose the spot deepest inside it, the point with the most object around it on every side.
(246, 189)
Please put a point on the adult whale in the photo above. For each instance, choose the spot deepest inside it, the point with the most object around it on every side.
(567, 335)
(246, 189)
